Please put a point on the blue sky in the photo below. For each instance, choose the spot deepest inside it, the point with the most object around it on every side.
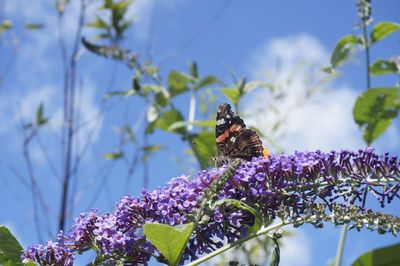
(252, 38)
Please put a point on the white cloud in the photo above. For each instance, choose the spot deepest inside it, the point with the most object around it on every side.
(325, 124)
(295, 249)
(286, 53)
(309, 116)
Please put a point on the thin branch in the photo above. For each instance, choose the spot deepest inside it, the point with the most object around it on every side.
(367, 55)
(69, 109)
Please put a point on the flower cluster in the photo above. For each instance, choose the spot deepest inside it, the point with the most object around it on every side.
(291, 187)
(53, 253)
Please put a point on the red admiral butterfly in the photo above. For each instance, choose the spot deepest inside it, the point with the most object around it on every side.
(234, 140)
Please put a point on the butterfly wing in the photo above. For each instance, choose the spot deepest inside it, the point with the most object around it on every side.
(247, 145)
(234, 140)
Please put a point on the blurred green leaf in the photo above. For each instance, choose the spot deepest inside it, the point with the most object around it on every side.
(233, 94)
(120, 93)
(386, 256)
(5, 25)
(178, 82)
(118, 21)
(328, 69)
(161, 95)
(169, 240)
(113, 155)
(152, 148)
(34, 26)
(204, 148)
(374, 111)
(97, 23)
(383, 29)
(207, 81)
(244, 207)
(342, 50)
(136, 82)
(381, 67)
(107, 4)
(111, 52)
(10, 248)
(203, 123)
(276, 254)
(40, 119)
(161, 99)
(147, 88)
(121, 6)
(164, 121)
(254, 84)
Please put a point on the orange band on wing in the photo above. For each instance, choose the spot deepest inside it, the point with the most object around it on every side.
(233, 128)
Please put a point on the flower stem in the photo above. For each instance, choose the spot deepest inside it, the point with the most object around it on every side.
(342, 240)
(364, 27)
(192, 110)
(260, 232)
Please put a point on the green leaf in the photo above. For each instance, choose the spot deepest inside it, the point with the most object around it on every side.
(98, 23)
(34, 26)
(250, 86)
(204, 148)
(162, 99)
(40, 119)
(5, 25)
(164, 121)
(152, 148)
(207, 81)
(178, 82)
(126, 93)
(374, 111)
(381, 67)
(276, 254)
(233, 94)
(203, 123)
(385, 256)
(247, 208)
(111, 52)
(113, 155)
(383, 29)
(328, 69)
(10, 248)
(136, 85)
(342, 50)
(169, 240)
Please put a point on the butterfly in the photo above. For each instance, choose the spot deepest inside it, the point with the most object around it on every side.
(233, 139)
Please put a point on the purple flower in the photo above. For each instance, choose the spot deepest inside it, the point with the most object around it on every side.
(285, 186)
(53, 253)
